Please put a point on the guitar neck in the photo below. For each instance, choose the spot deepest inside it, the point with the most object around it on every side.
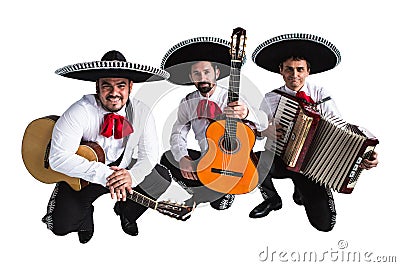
(233, 95)
(142, 200)
(234, 81)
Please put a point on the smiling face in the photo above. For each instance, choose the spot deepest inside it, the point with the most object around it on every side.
(204, 76)
(294, 73)
(113, 93)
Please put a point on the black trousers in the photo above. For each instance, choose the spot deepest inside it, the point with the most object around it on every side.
(201, 193)
(71, 211)
(317, 199)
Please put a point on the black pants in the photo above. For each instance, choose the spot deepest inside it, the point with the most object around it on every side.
(71, 211)
(201, 193)
(317, 199)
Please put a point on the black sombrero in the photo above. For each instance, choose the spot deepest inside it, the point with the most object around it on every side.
(320, 53)
(180, 57)
(112, 65)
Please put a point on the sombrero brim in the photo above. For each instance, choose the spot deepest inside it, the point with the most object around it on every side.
(180, 57)
(92, 71)
(320, 53)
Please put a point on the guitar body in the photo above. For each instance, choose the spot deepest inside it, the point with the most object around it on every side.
(36, 148)
(225, 170)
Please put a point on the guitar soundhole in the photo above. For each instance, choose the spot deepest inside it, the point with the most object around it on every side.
(229, 145)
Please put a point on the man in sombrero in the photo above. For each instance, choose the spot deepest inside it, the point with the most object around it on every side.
(120, 124)
(295, 57)
(200, 62)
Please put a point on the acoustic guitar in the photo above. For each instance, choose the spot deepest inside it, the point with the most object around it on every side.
(35, 154)
(229, 165)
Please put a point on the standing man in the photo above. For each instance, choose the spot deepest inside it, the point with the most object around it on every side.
(200, 62)
(295, 57)
(120, 124)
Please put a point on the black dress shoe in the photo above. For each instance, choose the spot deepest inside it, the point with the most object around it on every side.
(85, 236)
(297, 198)
(129, 227)
(266, 207)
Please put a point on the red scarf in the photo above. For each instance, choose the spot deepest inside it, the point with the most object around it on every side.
(207, 109)
(117, 124)
(304, 96)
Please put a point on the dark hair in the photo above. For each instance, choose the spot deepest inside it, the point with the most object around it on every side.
(295, 58)
(213, 65)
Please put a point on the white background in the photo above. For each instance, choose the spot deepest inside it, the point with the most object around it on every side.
(37, 37)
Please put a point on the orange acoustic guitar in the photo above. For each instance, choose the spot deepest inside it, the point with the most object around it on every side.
(35, 154)
(229, 165)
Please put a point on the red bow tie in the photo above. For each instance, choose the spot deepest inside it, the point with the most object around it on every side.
(304, 96)
(117, 124)
(207, 109)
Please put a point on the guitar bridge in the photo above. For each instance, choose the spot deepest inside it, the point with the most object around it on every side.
(227, 172)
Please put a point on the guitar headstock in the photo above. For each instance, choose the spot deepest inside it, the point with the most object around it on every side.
(175, 210)
(238, 43)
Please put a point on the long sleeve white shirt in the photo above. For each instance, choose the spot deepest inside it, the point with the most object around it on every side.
(187, 119)
(317, 93)
(82, 122)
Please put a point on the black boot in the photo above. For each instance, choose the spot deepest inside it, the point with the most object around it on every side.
(297, 198)
(263, 209)
(85, 236)
(128, 226)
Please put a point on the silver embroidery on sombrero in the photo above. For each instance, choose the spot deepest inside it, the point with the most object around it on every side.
(298, 36)
(192, 41)
(97, 65)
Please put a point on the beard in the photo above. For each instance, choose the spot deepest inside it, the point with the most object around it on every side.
(111, 108)
(204, 89)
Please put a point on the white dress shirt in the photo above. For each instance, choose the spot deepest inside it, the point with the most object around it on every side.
(317, 93)
(82, 122)
(187, 119)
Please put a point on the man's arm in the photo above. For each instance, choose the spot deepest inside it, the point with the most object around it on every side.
(66, 138)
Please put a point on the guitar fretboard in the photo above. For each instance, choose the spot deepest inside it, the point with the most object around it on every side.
(143, 200)
(233, 95)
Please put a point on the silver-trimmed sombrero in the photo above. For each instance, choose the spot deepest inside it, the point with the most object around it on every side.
(112, 65)
(180, 57)
(320, 53)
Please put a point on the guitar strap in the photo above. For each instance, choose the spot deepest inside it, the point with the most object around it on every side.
(129, 113)
(302, 100)
(118, 161)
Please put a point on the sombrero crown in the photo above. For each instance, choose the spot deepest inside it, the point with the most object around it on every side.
(320, 53)
(178, 60)
(112, 65)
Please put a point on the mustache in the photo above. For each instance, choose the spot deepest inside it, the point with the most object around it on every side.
(111, 97)
(206, 88)
(204, 83)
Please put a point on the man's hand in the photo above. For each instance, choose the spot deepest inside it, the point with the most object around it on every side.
(274, 131)
(119, 182)
(237, 110)
(368, 164)
(186, 167)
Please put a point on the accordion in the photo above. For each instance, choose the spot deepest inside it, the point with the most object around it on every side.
(327, 150)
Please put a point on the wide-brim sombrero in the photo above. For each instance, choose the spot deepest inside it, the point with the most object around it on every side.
(112, 65)
(178, 60)
(320, 53)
